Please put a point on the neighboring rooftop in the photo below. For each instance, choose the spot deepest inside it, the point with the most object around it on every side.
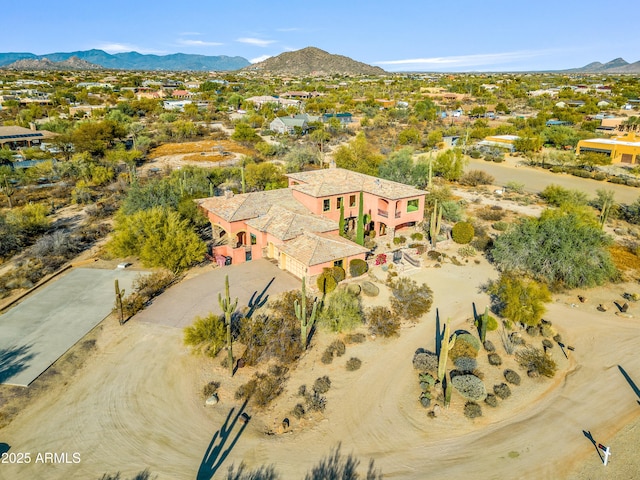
(317, 248)
(336, 181)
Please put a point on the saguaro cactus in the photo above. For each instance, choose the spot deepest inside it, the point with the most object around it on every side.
(360, 225)
(435, 224)
(483, 320)
(446, 344)
(301, 313)
(228, 308)
(119, 294)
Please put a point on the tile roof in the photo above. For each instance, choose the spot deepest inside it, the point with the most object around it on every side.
(316, 248)
(286, 225)
(335, 181)
(251, 205)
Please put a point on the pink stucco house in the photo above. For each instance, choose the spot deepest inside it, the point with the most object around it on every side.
(298, 225)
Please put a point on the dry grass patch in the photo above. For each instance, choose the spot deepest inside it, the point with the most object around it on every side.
(210, 147)
(624, 259)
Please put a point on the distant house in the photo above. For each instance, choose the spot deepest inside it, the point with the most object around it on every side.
(261, 100)
(500, 141)
(345, 117)
(181, 94)
(575, 103)
(15, 137)
(176, 104)
(622, 149)
(288, 125)
(298, 226)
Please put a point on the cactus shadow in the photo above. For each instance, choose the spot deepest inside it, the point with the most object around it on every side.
(631, 383)
(257, 300)
(215, 453)
(595, 445)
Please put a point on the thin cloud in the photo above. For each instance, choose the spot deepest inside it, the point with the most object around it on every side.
(459, 61)
(198, 43)
(114, 47)
(258, 42)
(261, 58)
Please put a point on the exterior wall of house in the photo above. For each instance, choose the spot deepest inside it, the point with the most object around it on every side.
(626, 151)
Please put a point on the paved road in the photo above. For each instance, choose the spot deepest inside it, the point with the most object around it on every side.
(536, 179)
(198, 296)
(35, 333)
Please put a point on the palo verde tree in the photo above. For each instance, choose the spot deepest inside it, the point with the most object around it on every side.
(519, 299)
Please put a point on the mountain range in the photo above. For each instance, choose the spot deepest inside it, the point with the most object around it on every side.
(617, 65)
(130, 60)
(312, 61)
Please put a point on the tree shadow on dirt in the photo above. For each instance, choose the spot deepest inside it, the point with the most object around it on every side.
(13, 360)
(215, 454)
(631, 383)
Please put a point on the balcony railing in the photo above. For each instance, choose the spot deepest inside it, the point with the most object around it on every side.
(383, 213)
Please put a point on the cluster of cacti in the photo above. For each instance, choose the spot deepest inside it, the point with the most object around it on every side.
(447, 342)
(301, 313)
(228, 308)
(435, 224)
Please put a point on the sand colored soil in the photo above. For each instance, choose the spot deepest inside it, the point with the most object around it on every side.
(137, 402)
(212, 148)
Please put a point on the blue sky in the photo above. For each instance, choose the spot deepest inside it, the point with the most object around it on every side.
(454, 35)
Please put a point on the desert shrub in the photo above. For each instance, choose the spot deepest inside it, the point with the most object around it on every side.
(516, 338)
(472, 410)
(557, 196)
(469, 386)
(462, 349)
(355, 338)
(466, 364)
(427, 380)
(370, 289)
(489, 346)
(338, 347)
(272, 336)
(316, 402)
(511, 377)
(353, 364)
(210, 388)
(470, 339)
(382, 322)
(491, 214)
(263, 388)
(357, 267)
(494, 359)
(535, 359)
(408, 299)
(298, 411)
(452, 211)
(425, 362)
(326, 282)
(425, 401)
(519, 299)
(491, 400)
(342, 311)
(354, 289)
(207, 335)
(322, 385)
(434, 255)
(502, 390)
(546, 343)
(546, 330)
(153, 284)
(417, 236)
(327, 356)
(400, 240)
(338, 273)
(302, 390)
(500, 226)
(473, 178)
(533, 331)
(467, 251)
(462, 232)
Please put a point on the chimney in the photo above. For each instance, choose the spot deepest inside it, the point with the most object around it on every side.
(228, 193)
(32, 126)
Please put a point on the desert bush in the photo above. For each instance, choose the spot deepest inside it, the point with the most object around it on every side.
(500, 226)
(535, 359)
(326, 282)
(427, 380)
(511, 377)
(557, 196)
(207, 335)
(466, 364)
(489, 346)
(210, 388)
(533, 330)
(408, 299)
(434, 255)
(467, 338)
(342, 311)
(452, 211)
(355, 338)
(472, 410)
(382, 322)
(338, 347)
(400, 240)
(462, 232)
(546, 343)
(417, 236)
(494, 359)
(467, 251)
(338, 273)
(353, 364)
(327, 356)
(370, 289)
(425, 401)
(322, 384)
(473, 178)
(262, 389)
(547, 330)
(519, 299)
(302, 390)
(502, 390)
(491, 214)
(298, 411)
(316, 402)
(469, 386)
(425, 362)
(516, 338)
(358, 267)
(491, 400)
(354, 288)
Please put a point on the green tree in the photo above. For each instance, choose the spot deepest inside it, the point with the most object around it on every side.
(450, 164)
(159, 237)
(398, 166)
(520, 300)
(342, 311)
(243, 133)
(359, 156)
(207, 335)
(264, 176)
